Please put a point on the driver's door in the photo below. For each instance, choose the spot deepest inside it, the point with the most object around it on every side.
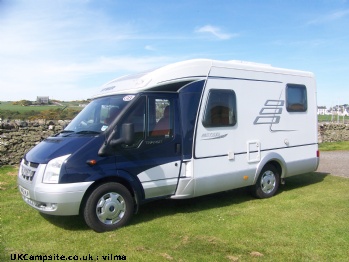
(155, 154)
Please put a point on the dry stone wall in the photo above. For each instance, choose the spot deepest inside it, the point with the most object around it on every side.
(17, 137)
(331, 132)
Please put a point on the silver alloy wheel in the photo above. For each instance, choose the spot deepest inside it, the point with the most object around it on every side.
(111, 208)
(268, 182)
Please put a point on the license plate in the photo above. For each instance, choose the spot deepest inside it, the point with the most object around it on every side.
(24, 192)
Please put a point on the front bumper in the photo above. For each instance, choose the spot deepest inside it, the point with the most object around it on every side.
(54, 199)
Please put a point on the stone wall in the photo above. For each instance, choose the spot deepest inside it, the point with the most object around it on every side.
(17, 137)
(331, 132)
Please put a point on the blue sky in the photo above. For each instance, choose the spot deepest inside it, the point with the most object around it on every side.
(66, 49)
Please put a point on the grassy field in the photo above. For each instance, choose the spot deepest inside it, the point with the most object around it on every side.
(331, 146)
(66, 110)
(306, 221)
(335, 119)
(9, 106)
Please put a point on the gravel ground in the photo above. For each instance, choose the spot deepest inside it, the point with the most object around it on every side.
(335, 163)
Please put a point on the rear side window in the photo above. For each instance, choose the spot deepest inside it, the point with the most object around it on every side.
(296, 98)
(220, 108)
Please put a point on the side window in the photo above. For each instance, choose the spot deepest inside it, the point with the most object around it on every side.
(160, 117)
(153, 120)
(220, 108)
(136, 115)
(296, 98)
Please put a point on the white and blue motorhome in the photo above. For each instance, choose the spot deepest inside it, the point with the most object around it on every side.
(184, 130)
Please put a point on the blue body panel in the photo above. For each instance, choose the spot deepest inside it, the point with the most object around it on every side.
(125, 163)
(53, 147)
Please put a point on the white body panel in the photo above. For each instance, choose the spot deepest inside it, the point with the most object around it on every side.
(160, 180)
(231, 157)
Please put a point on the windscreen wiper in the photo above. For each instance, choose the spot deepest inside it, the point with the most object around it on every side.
(87, 132)
(65, 132)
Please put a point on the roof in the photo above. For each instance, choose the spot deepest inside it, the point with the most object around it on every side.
(189, 70)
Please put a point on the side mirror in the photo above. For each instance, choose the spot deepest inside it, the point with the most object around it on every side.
(126, 137)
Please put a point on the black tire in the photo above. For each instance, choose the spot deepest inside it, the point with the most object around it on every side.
(108, 207)
(268, 182)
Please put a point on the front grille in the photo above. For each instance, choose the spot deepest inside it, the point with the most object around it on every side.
(31, 164)
(28, 170)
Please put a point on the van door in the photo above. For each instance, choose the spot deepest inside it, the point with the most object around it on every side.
(155, 155)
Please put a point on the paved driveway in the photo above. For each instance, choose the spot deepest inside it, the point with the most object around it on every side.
(334, 162)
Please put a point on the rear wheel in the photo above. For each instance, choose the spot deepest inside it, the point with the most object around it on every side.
(108, 207)
(267, 183)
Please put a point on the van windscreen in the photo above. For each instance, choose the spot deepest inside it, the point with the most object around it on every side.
(98, 114)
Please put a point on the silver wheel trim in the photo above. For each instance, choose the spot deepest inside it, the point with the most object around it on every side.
(268, 182)
(111, 208)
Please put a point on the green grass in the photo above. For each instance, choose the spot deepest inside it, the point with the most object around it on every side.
(306, 221)
(331, 146)
(21, 109)
(67, 111)
(330, 118)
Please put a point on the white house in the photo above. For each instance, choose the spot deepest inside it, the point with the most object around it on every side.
(321, 110)
(345, 112)
(42, 99)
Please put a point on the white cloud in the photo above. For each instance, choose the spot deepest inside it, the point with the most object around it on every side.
(337, 15)
(63, 49)
(150, 48)
(215, 31)
(68, 80)
(52, 48)
(105, 65)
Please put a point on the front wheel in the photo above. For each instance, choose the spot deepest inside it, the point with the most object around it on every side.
(267, 183)
(108, 207)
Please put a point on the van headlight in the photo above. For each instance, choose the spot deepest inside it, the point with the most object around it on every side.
(53, 169)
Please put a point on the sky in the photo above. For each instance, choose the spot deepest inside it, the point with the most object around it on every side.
(67, 49)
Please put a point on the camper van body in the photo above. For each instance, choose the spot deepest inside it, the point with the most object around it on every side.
(229, 125)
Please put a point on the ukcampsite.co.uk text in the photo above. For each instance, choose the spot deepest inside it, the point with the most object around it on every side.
(57, 257)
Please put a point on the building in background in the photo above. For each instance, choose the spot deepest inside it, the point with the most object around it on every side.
(322, 110)
(43, 100)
